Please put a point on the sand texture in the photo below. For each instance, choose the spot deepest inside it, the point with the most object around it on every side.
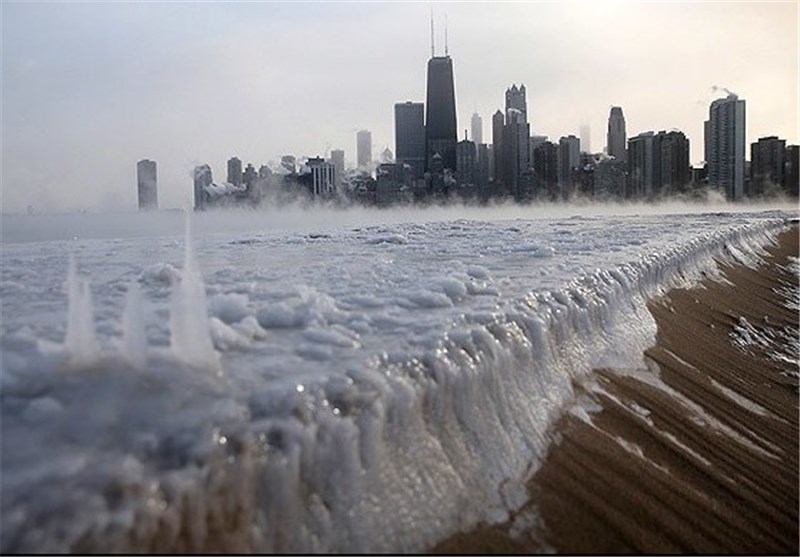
(698, 453)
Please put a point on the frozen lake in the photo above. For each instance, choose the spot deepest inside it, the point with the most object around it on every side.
(377, 380)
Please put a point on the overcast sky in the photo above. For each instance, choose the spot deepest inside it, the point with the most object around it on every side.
(88, 89)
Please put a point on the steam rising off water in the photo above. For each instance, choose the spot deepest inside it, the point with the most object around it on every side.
(381, 386)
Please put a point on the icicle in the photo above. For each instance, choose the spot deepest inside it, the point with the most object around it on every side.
(189, 327)
(134, 341)
(81, 340)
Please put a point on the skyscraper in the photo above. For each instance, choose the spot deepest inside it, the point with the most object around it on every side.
(643, 165)
(465, 162)
(440, 117)
(725, 146)
(409, 135)
(515, 98)
(569, 160)
(615, 145)
(235, 171)
(585, 133)
(767, 164)
(364, 149)
(498, 127)
(477, 129)
(337, 160)
(147, 183)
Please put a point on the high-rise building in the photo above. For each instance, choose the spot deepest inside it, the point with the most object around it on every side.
(465, 162)
(767, 164)
(498, 128)
(792, 180)
(249, 177)
(515, 98)
(235, 175)
(202, 180)
(337, 160)
(409, 135)
(545, 167)
(676, 173)
(322, 177)
(440, 117)
(569, 160)
(534, 142)
(477, 129)
(658, 164)
(644, 166)
(482, 167)
(516, 138)
(585, 133)
(147, 185)
(364, 149)
(615, 145)
(725, 146)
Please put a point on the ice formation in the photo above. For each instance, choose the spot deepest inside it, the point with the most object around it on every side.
(383, 385)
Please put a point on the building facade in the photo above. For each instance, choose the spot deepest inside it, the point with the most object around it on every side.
(364, 149)
(202, 180)
(725, 146)
(409, 135)
(477, 129)
(616, 138)
(767, 164)
(440, 116)
(235, 174)
(337, 160)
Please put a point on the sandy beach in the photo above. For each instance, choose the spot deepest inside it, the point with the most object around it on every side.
(697, 452)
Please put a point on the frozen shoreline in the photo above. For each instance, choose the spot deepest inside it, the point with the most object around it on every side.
(345, 405)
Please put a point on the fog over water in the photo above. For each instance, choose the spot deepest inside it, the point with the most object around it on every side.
(294, 218)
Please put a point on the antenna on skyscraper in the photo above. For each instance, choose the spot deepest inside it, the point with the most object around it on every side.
(432, 50)
(445, 34)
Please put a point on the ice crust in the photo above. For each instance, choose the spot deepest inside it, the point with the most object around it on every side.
(375, 387)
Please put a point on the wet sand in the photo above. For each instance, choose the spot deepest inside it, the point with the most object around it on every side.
(697, 454)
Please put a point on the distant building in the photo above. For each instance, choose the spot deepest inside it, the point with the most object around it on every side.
(676, 172)
(610, 176)
(482, 169)
(516, 137)
(498, 127)
(409, 135)
(534, 142)
(585, 134)
(545, 167)
(465, 162)
(658, 164)
(393, 184)
(235, 175)
(767, 165)
(477, 129)
(615, 143)
(249, 177)
(147, 185)
(643, 165)
(440, 118)
(202, 181)
(323, 183)
(515, 98)
(725, 146)
(364, 149)
(792, 182)
(337, 160)
(569, 162)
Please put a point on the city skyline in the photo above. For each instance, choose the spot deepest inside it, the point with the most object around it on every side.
(71, 137)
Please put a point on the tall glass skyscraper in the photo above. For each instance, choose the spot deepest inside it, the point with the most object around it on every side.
(440, 116)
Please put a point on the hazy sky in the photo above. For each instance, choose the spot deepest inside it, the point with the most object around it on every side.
(90, 88)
